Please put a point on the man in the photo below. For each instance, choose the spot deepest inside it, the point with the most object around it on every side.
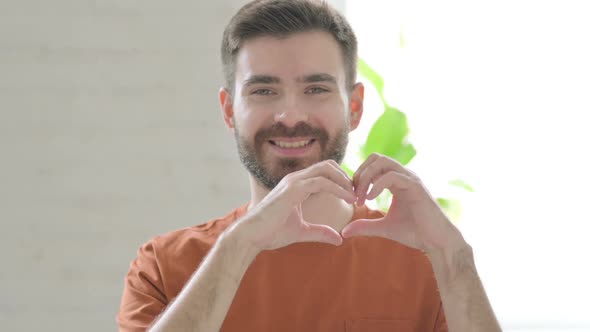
(306, 254)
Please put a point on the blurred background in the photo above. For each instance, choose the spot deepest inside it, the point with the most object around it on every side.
(111, 133)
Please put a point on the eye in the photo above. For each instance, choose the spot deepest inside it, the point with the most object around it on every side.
(263, 92)
(316, 90)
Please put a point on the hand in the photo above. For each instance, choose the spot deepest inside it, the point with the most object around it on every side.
(277, 220)
(414, 218)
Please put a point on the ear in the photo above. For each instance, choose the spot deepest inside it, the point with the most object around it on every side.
(227, 107)
(356, 105)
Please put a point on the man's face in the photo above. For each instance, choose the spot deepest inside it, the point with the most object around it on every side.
(290, 106)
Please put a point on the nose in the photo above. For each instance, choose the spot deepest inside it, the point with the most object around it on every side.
(291, 113)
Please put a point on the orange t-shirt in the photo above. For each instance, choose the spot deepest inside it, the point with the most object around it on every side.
(365, 284)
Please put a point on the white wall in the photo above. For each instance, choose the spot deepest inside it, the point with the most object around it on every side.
(110, 133)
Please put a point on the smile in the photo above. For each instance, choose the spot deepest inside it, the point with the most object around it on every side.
(292, 144)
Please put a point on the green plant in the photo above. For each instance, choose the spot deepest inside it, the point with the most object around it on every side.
(389, 136)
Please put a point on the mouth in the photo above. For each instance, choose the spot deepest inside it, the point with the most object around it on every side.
(292, 147)
(291, 144)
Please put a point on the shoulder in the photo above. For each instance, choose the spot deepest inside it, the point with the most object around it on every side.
(161, 268)
(197, 239)
(168, 260)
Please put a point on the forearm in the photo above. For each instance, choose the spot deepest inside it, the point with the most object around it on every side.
(466, 305)
(203, 303)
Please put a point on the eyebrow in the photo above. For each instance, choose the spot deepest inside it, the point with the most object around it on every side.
(319, 77)
(267, 79)
(261, 79)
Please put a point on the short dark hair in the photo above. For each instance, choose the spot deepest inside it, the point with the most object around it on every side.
(282, 18)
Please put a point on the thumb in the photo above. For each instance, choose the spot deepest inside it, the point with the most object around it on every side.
(365, 227)
(320, 233)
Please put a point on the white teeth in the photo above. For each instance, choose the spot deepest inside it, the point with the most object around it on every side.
(292, 145)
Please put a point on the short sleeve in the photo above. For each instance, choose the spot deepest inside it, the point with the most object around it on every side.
(143, 294)
(441, 322)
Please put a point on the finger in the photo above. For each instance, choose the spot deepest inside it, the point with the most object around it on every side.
(322, 184)
(299, 211)
(366, 227)
(361, 168)
(392, 180)
(369, 174)
(299, 185)
(391, 164)
(331, 170)
(320, 233)
(346, 180)
(365, 178)
(394, 165)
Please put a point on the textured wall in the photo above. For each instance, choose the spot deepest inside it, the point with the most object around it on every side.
(110, 133)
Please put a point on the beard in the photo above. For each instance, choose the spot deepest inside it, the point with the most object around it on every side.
(269, 174)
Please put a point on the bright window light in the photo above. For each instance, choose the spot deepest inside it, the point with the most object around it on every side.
(497, 94)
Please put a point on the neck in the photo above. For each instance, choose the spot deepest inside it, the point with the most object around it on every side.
(321, 208)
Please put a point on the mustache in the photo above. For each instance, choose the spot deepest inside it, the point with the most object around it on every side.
(300, 129)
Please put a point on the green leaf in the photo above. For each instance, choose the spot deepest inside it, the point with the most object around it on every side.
(461, 184)
(370, 74)
(387, 136)
(405, 154)
(451, 207)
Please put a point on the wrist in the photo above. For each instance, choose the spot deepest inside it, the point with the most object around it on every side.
(235, 237)
(451, 262)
